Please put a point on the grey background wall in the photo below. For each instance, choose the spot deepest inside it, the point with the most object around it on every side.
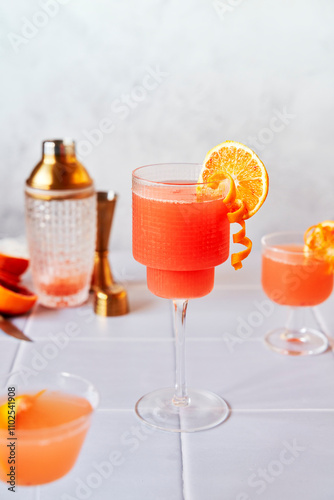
(156, 81)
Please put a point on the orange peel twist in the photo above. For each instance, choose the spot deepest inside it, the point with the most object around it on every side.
(236, 212)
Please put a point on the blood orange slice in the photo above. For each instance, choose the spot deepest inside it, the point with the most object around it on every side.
(15, 299)
(13, 256)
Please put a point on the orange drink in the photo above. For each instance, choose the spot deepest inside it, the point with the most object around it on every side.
(179, 238)
(49, 434)
(289, 277)
(42, 439)
(296, 276)
(181, 215)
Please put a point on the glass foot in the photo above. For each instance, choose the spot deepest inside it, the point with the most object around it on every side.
(296, 342)
(59, 301)
(203, 411)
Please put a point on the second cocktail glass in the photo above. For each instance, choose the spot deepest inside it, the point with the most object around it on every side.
(296, 278)
(50, 430)
(180, 237)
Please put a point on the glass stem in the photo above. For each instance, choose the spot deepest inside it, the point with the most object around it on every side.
(295, 325)
(180, 310)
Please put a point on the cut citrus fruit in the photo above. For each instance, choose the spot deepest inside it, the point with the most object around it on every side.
(248, 187)
(319, 240)
(245, 168)
(13, 256)
(14, 408)
(15, 299)
(10, 278)
(14, 265)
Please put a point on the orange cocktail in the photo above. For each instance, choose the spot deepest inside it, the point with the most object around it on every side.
(179, 238)
(181, 230)
(180, 235)
(289, 277)
(46, 433)
(293, 275)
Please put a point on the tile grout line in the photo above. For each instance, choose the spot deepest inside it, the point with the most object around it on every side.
(14, 358)
(281, 410)
(101, 339)
(134, 339)
(320, 320)
(183, 481)
(244, 286)
(239, 410)
(323, 326)
(221, 286)
(17, 350)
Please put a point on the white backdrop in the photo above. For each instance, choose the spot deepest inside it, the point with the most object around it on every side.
(156, 81)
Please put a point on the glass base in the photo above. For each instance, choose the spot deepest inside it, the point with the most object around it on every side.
(59, 301)
(204, 411)
(296, 342)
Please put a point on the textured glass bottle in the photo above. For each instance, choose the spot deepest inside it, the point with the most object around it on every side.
(60, 203)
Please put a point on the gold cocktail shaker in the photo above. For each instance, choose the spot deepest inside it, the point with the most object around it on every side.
(60, 205)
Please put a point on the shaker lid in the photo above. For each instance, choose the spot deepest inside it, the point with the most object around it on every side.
(59, 168)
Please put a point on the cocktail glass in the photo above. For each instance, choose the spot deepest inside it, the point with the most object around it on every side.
(180, 237)
(46, 451)
(296, 278)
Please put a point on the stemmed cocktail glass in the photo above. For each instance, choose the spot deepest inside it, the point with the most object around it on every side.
(294, 277)
(47, 436)
(180, 238)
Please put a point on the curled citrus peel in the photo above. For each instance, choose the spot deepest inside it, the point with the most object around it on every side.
(236, 212)
(319, 240)
(248, 187)
(20, 404)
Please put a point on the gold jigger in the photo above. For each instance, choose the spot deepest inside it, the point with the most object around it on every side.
(110, 298)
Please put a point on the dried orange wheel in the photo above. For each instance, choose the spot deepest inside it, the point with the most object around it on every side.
(319, 240)
(237, 164)
(246, 169)
(20, 403)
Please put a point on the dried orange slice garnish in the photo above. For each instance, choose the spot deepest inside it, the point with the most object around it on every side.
(14, 408)
(245, 168)
(236, 162)
(319, 240)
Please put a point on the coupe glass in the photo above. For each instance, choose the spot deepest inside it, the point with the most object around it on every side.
(298, 279)
(46, 453)
(180, 237)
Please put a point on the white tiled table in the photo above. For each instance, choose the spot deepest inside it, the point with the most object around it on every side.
(278, 442)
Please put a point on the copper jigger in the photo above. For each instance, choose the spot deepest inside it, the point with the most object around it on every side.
(110, 298)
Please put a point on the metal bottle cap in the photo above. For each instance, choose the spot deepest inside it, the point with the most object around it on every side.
(111, 302)
(58, 147)
(59, 170)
